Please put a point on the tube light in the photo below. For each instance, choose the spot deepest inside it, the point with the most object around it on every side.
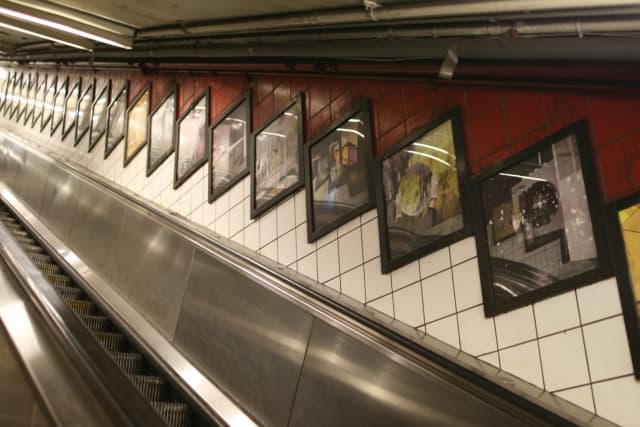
(78, 44)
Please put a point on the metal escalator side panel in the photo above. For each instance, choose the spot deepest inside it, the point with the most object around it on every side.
(59, 202)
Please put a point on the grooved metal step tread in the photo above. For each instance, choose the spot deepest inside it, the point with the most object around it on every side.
(25, 240)
(112, 341)
(47, 267)
(82, 307)
(59, 279)
(68, 292)
(40, 258)
(96, 323)
(175, 414)
(151, 386)
(131, 363)
(32, 248)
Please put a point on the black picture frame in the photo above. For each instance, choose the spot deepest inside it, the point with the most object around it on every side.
(513, 271)
(239, 174)
(31, 99)
(3, 91)
(132, 109)
(120, 101)
(15, 96)
(298, 103)
(621, 268)
(71, 109)
(422, 246)
(47, 105)
(83, 111)
(24, 97)
(180, 178)
(170, 101)
(39, 101)
(347, 176)
(99, 110)
(58, 105)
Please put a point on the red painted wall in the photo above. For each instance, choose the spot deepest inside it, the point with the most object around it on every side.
(499, 120)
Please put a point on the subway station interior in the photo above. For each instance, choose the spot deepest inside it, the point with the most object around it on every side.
(319, 213)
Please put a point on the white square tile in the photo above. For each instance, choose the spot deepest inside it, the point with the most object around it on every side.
(383, 305)
(515, 327)
(328, 264)
(286, 216)
(252, 236)
(599, 300)
(405, 275)
(327, 238)
(370, 240)
(268, 227)
(222, 204)
(617, 400)
(301, 207)
(352, 284)
(287, 248)
(270, 251)
(523, 361)
(246, 183)
(302, 247)
(333, 283)
(377, 284)
(236, 219)
(463, 250)
(557, 313)
(466, 282)
(491, 358)
(564, 364)
(437, 292)
(247, 212)
(580, 396)
(407, 304)
(198, 215)
(238, 237)
(350, 225)
(236, 194)
(209, 213)
(435, 262)
(446, 330)
(607, 349)
(368, 216)
(308, 266)
(350, 247)
(477, 333)
(222, 225)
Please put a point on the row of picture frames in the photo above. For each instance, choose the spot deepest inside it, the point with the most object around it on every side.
(538, 217)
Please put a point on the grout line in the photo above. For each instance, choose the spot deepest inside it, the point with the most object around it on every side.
(584, 346)
(535, 326)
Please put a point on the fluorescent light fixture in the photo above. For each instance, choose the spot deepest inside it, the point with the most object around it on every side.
(430, 157)
(431, 147)
(30, 30)
(522, 177)
(279, 135)
(117, 41)
(360, 134)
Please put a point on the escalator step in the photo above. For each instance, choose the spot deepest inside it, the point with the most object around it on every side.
(82, 307)
(32, 248)
(151, 386)
(40, 258)
(48, 268)
(131, 363)
(68, 292)
(25, 240)
(96, 323)
(175, 414)
(59, 279)
(19, 232)
(112, 341)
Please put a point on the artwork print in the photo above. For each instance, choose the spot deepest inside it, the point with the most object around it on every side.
(192, 139)
(99, 115)
(162, 131)
(137, 129)
(84, 112)
(116, 117)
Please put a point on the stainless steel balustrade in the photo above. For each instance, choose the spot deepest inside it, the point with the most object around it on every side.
(285, 357)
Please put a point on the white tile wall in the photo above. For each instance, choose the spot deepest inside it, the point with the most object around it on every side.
(570, 344)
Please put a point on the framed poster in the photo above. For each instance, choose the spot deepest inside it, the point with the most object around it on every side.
(31, 100)
(162, 130)
(339, 173)
(71, 109)
(558, 236)
(22, 93)
(116, 116)
(137, 126)
(191, 142)
(421, 186)
(47, 107)
(623, 233)
(3, 90)
(36, 117)
(15, 95)
(276, 158)
(83, 115)
(58, 106)
(99, 115)
(229, 151)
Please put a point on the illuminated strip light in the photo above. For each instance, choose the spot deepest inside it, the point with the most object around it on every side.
(88, 46)
(522, 177)
(430, 157)
(60, 27)
(431, 147)
(279, 135)
(360, 134)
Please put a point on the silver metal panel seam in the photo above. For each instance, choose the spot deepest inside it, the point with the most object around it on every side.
(250, 341)
(151, 270)
(59, 202)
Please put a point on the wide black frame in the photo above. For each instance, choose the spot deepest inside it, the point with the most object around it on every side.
(106, 90)
(580, 130)
(40, 93)
(145, 90)
(124, 91)
(66, 127)
(313, 233)
(389, 264)
(3, 100)
(29, 108)
(257, 211)
(214, 193)
(151, 167)
(62, 86)
(46, 119)
(179, 180)
(81, 132)
(17, 93)
(621, 270)
(24, 97)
